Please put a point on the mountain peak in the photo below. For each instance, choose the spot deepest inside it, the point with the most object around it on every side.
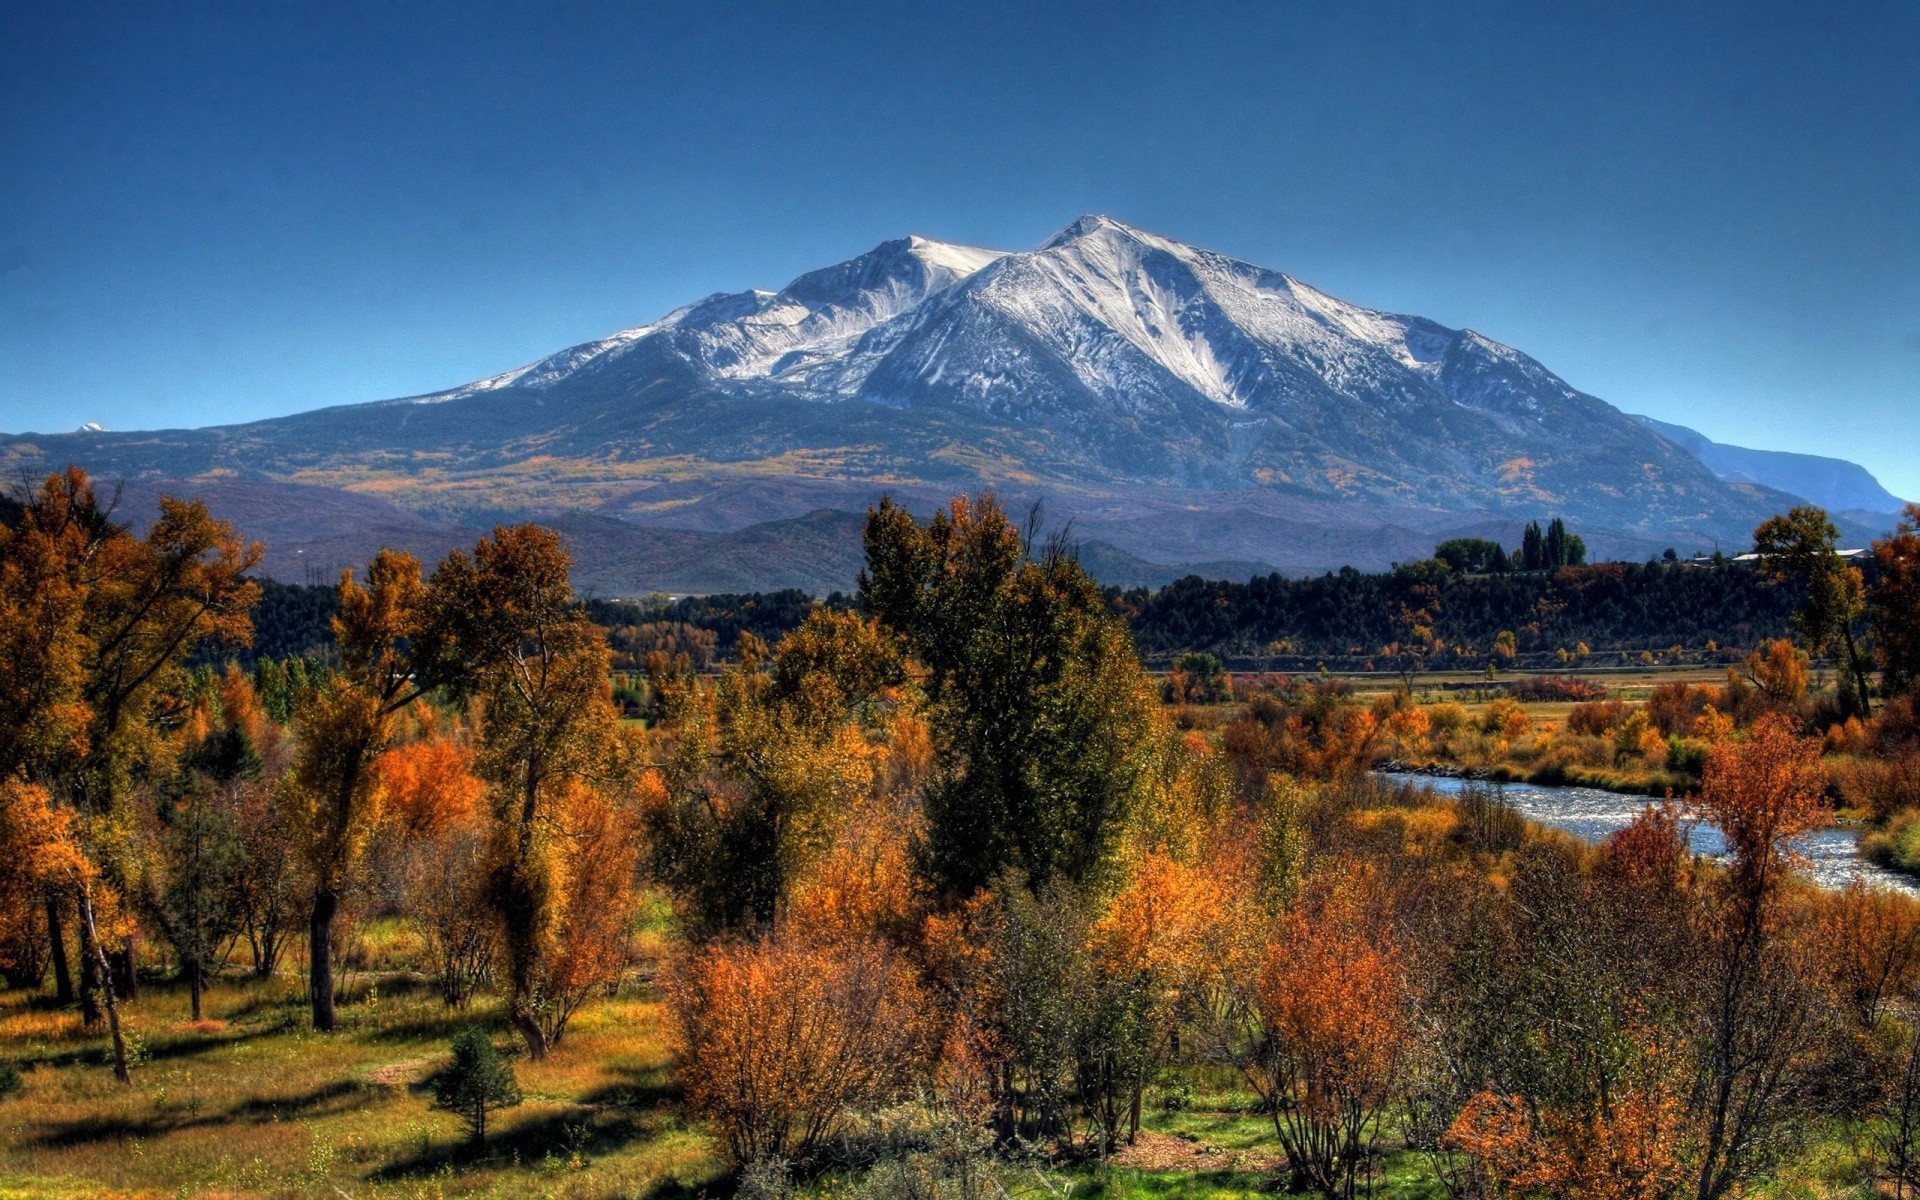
(1092, 225)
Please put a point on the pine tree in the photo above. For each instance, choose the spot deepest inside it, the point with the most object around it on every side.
(478, 1082)
(1556, 544)
(1533, 553)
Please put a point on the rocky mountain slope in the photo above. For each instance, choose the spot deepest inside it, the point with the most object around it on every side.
(1176, 405)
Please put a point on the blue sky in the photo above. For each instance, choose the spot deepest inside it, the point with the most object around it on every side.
(1710, 213)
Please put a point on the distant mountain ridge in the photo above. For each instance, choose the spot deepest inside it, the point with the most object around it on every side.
(1176, 405)
(1833, 483)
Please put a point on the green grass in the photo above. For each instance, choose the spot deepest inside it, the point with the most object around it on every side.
(253, 1104)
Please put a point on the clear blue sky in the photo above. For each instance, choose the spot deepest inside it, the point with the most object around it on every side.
(221, 212)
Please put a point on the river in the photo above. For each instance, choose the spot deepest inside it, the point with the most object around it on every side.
(1831, 856)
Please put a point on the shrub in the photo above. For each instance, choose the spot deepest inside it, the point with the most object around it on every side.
(1597, 719)
(1446, 718)
(779, 1040)
(1897, 843)
(1505, 718)
(1688, 756)
(1488, 824)
(1555, 687)
(10, 1082)
(478, 1082)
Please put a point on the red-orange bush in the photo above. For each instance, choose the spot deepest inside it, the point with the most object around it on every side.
(779, 1040)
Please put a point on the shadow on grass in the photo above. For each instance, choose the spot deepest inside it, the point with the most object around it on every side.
(587, 1132)
(637, 1088)
(98, 1051)
(636, 1107)
(333, 1098)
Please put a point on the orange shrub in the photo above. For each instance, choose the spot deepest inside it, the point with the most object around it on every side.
(779, 1040)
(1630, 1150)
(1597, 719)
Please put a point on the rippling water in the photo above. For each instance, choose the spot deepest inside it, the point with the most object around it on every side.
(1830, 856)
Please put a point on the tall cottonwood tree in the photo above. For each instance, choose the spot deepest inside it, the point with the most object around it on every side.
(1041, 715)
(510, 629)
(386, 663)
(1798, 547)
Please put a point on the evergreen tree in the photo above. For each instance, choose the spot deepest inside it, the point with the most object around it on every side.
(478, 1082)
(1533, 551)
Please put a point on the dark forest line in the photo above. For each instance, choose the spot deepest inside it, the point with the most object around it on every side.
(1424, 609)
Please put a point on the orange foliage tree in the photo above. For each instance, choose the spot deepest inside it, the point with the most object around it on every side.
(591, 903)
(1332, 1002)
(431, 797)
(1761, 1010)
(94, 624)
(1156, 941)
(329, 796)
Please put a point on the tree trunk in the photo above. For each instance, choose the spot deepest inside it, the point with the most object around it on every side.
(91, 936)
(1859, 674)
(57, 934)
(320, 957)
(126, 984)
(518, 920)
(93, 965)
(193, 987)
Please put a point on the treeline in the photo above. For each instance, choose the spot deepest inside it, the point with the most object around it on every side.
(1606, 606)
(1341, 615)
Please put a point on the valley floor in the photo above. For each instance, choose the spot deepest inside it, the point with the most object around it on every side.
(249, 1103)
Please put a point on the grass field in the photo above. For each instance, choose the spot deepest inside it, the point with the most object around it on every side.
(249, 1103)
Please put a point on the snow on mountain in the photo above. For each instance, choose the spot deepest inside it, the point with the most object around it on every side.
(784, 336)
(1112, 371)
(1103, 316)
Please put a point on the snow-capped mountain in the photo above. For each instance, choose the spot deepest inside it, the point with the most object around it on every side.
(1118, 373)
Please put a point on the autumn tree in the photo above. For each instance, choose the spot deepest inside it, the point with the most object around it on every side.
(1798, 547)
(94, 624)
(1894, 605)
(1565, 1015)
(1153, 952)
(1332, 1004)
(765, 765)
(510, 630)
(1760, 1010)
(436, 807)
(329, 794)
(591, 906)
(201, 853)
(1039, 709)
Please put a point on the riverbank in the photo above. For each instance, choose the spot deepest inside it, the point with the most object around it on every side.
(1656, 784)
(1832, 856)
